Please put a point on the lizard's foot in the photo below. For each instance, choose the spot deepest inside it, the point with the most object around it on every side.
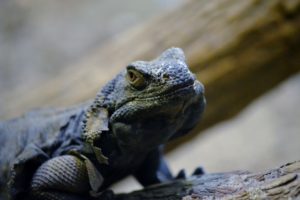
(197, 172)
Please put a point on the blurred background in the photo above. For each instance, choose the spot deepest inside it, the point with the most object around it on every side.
(59, 53)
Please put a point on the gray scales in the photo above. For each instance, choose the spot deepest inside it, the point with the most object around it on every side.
(78, 152)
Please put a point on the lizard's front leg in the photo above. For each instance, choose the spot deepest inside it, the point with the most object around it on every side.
(61, 178)
(154, 169)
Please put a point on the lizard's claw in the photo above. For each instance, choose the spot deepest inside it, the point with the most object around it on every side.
(198, 171)
(181, 174)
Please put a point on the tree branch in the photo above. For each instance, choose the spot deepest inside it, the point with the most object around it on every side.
(238, 49)
(280, 183)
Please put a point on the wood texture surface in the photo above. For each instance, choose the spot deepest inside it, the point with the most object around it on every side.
(280, 183)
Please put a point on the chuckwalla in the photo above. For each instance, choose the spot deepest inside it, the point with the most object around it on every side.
(76, 153)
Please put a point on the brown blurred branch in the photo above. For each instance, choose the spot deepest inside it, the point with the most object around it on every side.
(280, 183)
(238, 49)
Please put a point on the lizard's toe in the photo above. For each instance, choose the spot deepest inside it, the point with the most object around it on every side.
(198, 171)
(181, 174)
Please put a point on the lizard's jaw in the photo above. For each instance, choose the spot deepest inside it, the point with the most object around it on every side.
(156, 120)
(166, 102)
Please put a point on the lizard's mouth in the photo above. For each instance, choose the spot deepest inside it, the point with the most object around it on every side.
(173, 92)
(166, 99)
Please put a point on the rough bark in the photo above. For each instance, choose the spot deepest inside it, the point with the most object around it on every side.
(280, 183)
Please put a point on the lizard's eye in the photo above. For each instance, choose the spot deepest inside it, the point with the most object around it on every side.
(135, 79)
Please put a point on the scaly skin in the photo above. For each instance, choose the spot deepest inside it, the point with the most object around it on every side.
(78, 152)
(52, 175)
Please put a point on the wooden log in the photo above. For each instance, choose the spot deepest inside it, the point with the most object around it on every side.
(238, 49)
(280, 183)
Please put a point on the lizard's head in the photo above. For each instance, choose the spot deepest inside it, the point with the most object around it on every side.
(155, 101)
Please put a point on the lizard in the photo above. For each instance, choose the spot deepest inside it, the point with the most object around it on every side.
(78, 152)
